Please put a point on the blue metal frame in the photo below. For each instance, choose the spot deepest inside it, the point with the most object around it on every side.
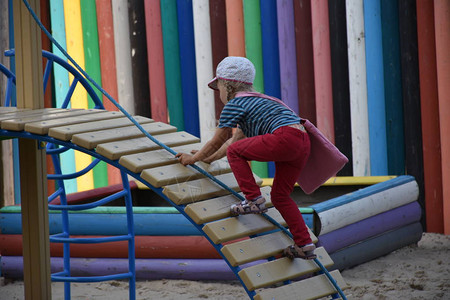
(78, 78)
(54, 151)
(11, 80)
(64, 237)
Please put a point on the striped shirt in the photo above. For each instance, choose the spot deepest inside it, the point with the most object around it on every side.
(256, 116)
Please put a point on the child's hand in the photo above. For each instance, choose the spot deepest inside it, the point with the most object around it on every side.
(207, 160)
(185, 159)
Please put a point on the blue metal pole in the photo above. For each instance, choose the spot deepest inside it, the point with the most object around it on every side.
(130, 225)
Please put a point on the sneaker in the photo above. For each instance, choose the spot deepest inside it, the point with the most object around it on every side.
(304, 252)
(256, 206)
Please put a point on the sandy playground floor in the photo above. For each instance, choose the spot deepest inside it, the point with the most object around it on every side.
(415, 272)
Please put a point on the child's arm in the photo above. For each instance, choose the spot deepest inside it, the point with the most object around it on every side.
(220, 137)
(222, 152)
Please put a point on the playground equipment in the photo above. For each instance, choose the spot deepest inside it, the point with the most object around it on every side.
(108, 136)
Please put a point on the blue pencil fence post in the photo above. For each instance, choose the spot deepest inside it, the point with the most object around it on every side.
(271, 55)
(187, 66)
(375, 88)
(393, 88)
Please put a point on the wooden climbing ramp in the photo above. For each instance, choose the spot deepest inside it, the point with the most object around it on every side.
(250, 244)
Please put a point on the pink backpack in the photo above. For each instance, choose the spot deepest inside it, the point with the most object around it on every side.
(325, 159)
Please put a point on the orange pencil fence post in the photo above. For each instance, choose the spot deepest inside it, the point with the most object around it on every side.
(430, 117)
(322, 68)
(235, 27)
(108, 66)
(442, 30)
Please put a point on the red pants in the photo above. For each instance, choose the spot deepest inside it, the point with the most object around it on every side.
(289, 148)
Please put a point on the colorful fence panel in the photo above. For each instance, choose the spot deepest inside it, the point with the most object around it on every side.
(367, 73)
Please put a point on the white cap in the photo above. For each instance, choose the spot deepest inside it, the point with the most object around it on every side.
(234, 68)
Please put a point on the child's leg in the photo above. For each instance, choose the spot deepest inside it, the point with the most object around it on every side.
(285, 177)
(238, 154)
(289, 148)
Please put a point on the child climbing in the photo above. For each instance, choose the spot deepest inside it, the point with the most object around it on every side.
(266, 130)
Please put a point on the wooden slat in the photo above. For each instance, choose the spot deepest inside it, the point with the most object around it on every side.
(65, 133)
(115, 150)
(21, 113)
(311, 288)
(90, 140)
(242, 226)
(282, 269)
(19, 123)
(218, 208)
(201, 189)
(42, 127)
(138, 162)
(176, 173)
(260, 247)
(6, 109)
(10, 109)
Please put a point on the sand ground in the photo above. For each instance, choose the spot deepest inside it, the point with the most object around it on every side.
(419, 271)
